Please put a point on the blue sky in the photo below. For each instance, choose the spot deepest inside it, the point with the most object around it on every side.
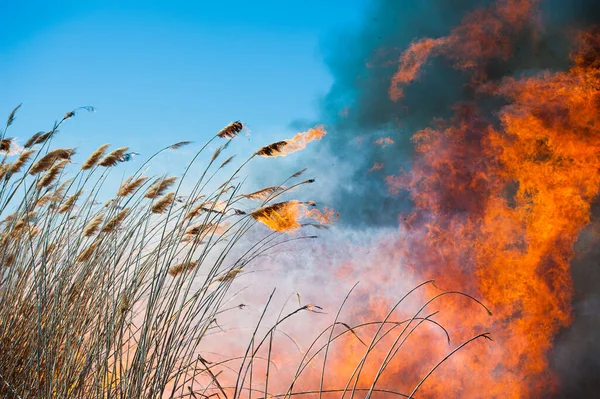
(160, 72)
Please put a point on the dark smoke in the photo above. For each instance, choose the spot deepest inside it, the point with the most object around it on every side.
(357, 110)
(358, 105)
(576, 354)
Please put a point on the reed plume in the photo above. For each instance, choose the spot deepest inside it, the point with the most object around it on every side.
(182, 268)
(44, 199)
(284, 216)
(230, 275)
(24, 156)
(87, 253)
(112, 224)
(59, 193)
(113, 157)
(50, 158)
(272, 150)
(38, 138)
(4, 168)
(124, 303)
(163, 203)
(231, 130)
(11, 116)
(298, 173)
(95, 157)
(128, 187)
(159, 187)
(92, 227)
(70, 202)
(296, 143)
(179, 145)
(199, 229)
(5, 144)
(195, 211)
(52, 174)
(264, 193)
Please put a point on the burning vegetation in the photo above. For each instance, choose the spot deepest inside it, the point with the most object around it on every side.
(296, 143)
(120, 300)
(501, 197)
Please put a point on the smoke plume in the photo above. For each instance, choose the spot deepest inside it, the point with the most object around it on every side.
(374, 109)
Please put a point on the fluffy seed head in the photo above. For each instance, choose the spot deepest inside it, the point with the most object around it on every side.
(69, 202)
(94, 157)
(231, 130)
(50, 158)
(272, 150)
(129, 186)
(113, 158)
(230, 275)
(264, 193)
(21, 160)
(163, 203)
(5, 144)
(182, 268)
(92, 227)
(113, 223)
(52, 174)
(87, 253)
(159, 187)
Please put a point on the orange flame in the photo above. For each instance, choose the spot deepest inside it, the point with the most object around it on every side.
(297, 143)
(377, 166)
(498, 211)
(285, 216)
(483, 34)
(384, 141)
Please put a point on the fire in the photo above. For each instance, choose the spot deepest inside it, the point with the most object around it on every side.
(299, 141)
(483, 34)
(285, 216)
(499, 206)
(296, 143)
(384, 141)
(377, 166)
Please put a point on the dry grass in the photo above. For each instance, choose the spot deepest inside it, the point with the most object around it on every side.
(115, 301)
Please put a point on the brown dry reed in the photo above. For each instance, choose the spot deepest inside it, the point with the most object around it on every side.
(48, 160)
(5, 144)
(23, 158)
(92, 227)
(50, 176)
(231, 130)
(130, 185)
(159, 187)
(162, 204)
(113, 157)
(272, 150)
(113, 302)
(182, 268)
(95, 157)
(112, 224)
(265, 193)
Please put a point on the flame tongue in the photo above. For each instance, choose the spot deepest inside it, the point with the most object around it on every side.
(296, 143)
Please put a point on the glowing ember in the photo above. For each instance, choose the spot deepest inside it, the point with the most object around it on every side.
(384, 141)
(376, 166)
